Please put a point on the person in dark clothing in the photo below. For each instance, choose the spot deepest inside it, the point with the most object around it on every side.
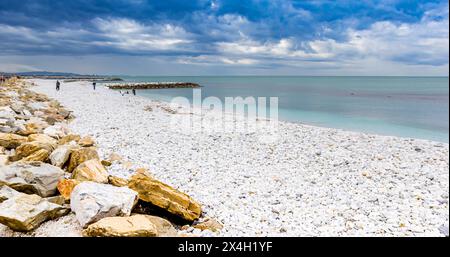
(58, 84)
(94, 84)
(134, 91)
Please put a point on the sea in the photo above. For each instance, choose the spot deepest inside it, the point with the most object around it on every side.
(411, 107)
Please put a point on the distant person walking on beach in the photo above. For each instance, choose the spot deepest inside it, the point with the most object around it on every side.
(58, 84)
(134, 91)
(94, 84)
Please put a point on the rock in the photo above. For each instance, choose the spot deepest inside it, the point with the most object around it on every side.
(81, 155)
(37, 105)
(56, 131)
(64, 113)
(26, 212)
(31, 128)
(53, 118)
(32, 177)
(106, 163)
(66, 186)
(91, 170)
(163, 226)
(134, 226)
(4, 160)
(86, 141)
(164, 196)
(17, 108)
(209, 224)
(7, 113)
(10, 141)
(93, 201)
(6, 192)
(69, 138)
(114, 157)
(40, 156)
(43, 138)
(28, 148)
(58, 199)
(118, 182)
(61, 155)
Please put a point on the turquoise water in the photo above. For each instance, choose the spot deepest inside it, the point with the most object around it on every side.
(416, 107)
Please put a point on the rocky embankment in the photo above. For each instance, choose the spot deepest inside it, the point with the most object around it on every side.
(47, 172)
(153, 85)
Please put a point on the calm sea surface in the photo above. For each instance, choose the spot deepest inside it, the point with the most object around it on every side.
(416, 107)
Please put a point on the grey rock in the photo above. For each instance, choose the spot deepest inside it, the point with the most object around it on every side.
(6, 193)
(31, 177)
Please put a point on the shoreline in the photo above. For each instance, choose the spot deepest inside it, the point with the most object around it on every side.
(315, 181)
(300, 123)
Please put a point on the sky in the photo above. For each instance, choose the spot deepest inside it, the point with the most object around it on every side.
(226, 37)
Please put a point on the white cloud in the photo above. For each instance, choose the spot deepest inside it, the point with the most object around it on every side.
(216, 60)
(424, 42)
(128, 34)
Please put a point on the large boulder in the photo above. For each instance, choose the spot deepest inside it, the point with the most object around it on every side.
(163, 226)
(10, 141)
(43, 138)
(91, 170)
(25, 212)
(61, 154)
(28, 148)
(38, 156)
(93, 201)
(134, 226)
(6, 192)
(164, 196)
(69, 138)
(31, 177)
(31, 128)
(80, 155)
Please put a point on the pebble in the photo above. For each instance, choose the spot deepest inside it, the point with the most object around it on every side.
(320, 187)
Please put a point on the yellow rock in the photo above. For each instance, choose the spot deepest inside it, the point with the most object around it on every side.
(28, 148)
(43, 138)
(118, 182)
(10, 141)
(40, 156)
(66, 139)
(133, 226)
(91, 170)
(163, 226)
(164, 196)
(86, 141)
(66, 186)
(81, 155)
(31, 128)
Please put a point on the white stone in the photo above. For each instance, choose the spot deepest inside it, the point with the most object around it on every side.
(93, 201)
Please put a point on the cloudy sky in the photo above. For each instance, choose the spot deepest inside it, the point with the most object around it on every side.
(226, 37)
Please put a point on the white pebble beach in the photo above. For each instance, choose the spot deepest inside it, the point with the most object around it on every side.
(311, 181)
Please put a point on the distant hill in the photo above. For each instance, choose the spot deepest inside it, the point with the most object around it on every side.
(44, 73)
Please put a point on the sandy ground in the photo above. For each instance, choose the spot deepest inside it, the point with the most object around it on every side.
(310, 181)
